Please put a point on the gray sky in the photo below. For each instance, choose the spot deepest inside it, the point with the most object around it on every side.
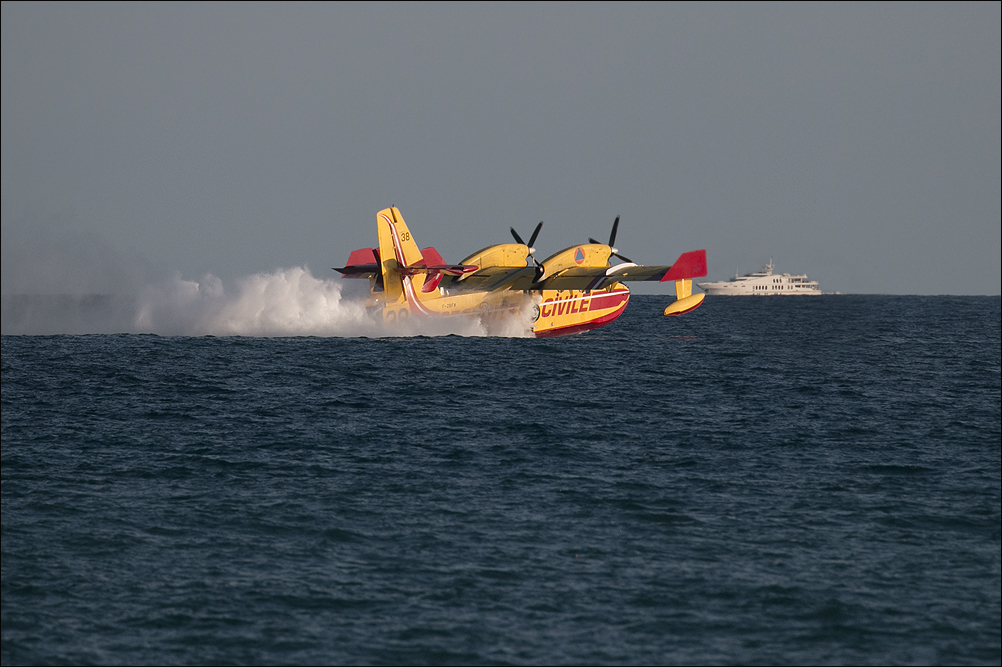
(857, 143)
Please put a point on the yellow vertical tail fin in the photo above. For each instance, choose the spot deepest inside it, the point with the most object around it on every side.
(397, 251)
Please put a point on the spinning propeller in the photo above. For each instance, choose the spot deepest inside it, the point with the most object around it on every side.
(612, 239)
(532, 239)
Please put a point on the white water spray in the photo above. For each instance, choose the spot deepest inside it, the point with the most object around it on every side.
(78, 283)
(284, 302)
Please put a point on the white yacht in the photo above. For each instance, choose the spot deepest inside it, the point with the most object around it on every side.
(762, 283)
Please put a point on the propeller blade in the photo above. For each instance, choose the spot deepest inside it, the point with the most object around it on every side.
(625, 259)
(532, 239)
(612, 237)
(591, 240)
(517, 237)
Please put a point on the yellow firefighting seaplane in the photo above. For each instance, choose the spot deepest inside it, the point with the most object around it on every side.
(574, 290)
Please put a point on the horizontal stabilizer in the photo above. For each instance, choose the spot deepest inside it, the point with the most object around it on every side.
(690, 264)
(435, 264)
(431, 257)
(432, 263)
(447, 269)
(362, 263)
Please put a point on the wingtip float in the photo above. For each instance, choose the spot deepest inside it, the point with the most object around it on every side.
(571, 291)
(689, 265)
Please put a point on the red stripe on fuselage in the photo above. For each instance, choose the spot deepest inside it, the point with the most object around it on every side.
(617, 300)
(609, 300)
(583, 304)
(584, 326)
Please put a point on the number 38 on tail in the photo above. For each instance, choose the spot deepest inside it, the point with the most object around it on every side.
(571, 291)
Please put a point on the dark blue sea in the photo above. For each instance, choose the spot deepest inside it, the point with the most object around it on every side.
(761, 481)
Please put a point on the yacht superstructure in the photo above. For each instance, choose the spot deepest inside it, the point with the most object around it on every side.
(763, 283)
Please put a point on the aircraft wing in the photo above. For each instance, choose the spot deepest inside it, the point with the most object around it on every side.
(581, 278)
(493, 278)
(688, 265)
